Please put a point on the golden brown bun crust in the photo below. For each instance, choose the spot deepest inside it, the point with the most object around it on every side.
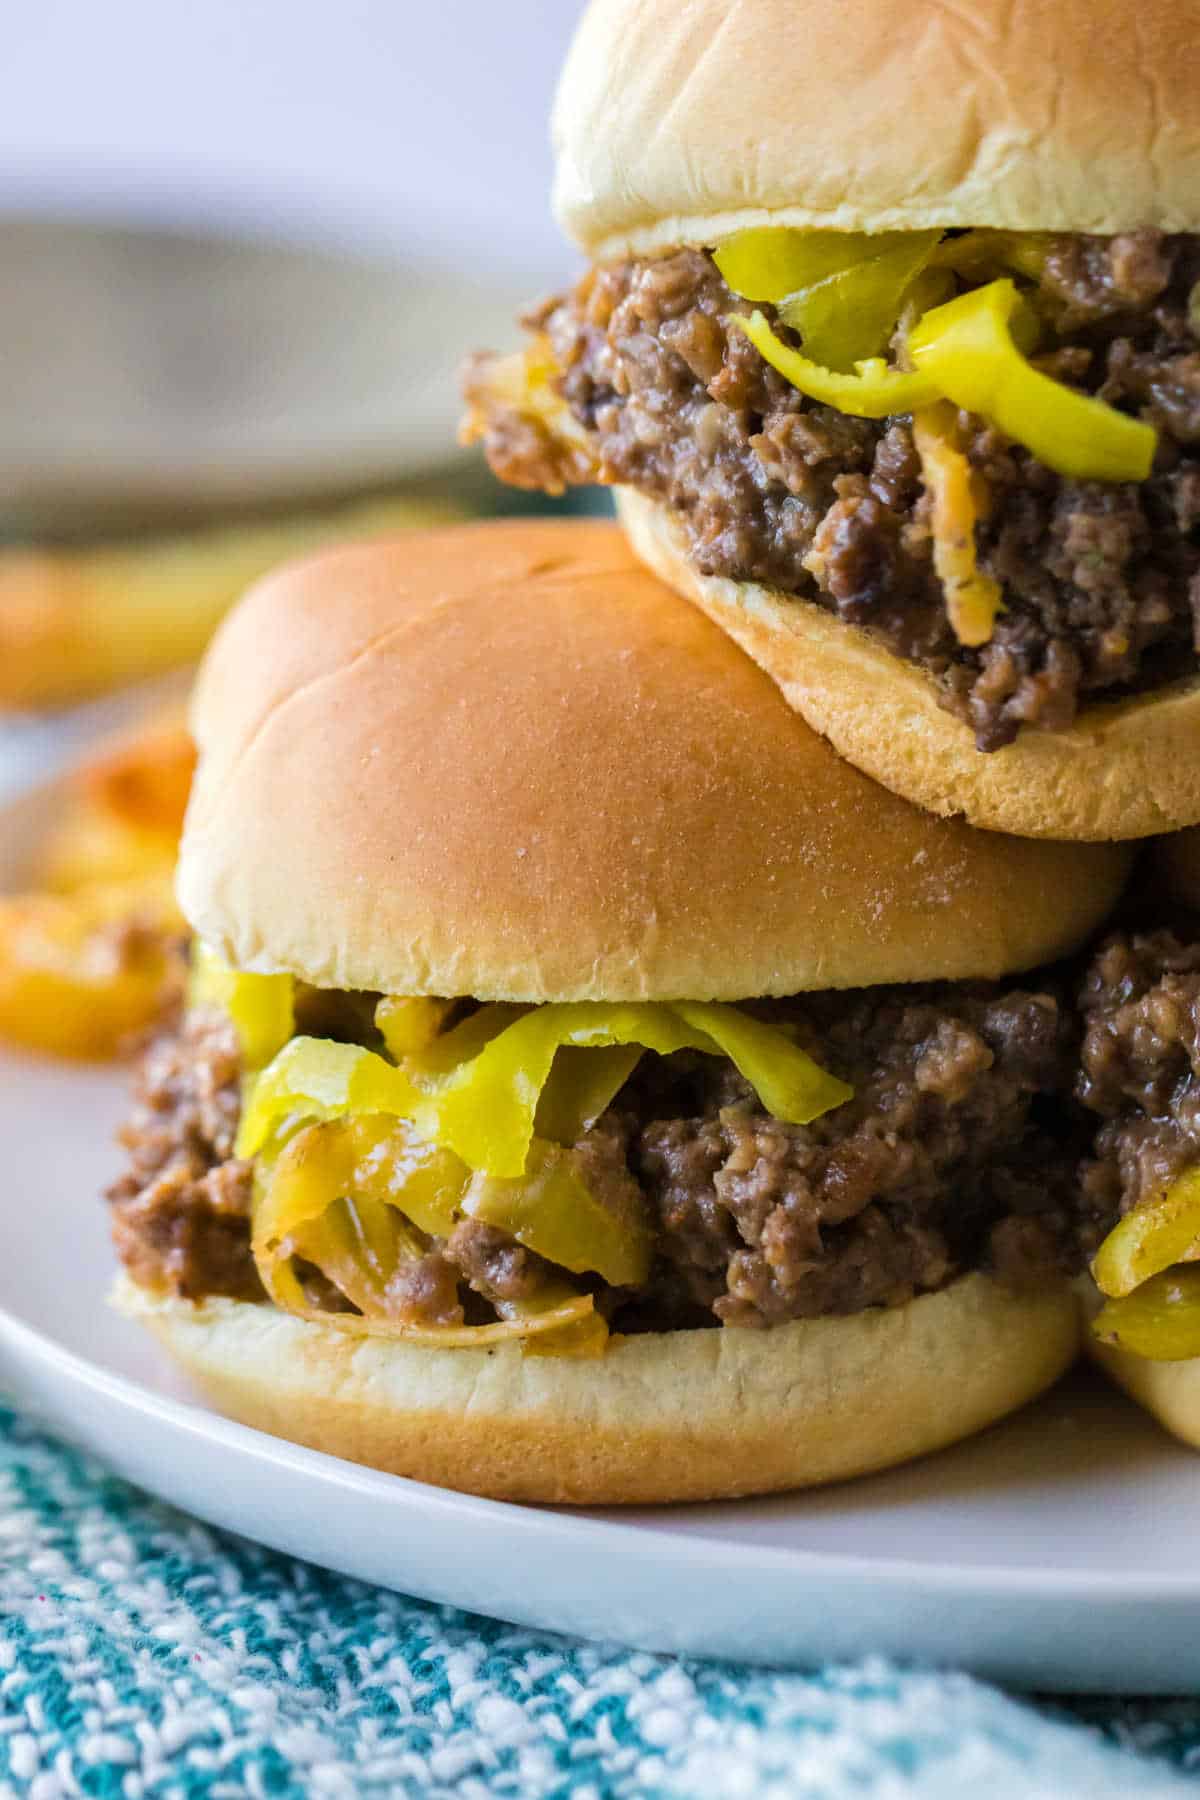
(503, 760)
(1123, 771)
(679, 124)
(682, 1415)
(1172, 869)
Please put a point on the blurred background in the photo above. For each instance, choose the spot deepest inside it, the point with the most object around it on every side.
(245, 247)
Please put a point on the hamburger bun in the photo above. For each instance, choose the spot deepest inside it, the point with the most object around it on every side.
(1124, 770)
(504, 761)
(1169, 1391)
(677, 125)
(680, 1415)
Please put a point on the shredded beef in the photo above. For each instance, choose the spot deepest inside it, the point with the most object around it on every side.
(1140, 1067)
(1101, 580)
(955, 1153)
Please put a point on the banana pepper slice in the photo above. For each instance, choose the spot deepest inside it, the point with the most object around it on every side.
(485, 1105)
(261, 1007)
(1143, 1268)
(967, 349)
(1159, 1321)
(344, 1196)
(843, 291)
(873, 392)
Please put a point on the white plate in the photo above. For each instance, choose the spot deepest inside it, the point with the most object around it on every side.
(1056, 1551)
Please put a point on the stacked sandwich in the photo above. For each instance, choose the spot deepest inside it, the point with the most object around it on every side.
(621, 1068)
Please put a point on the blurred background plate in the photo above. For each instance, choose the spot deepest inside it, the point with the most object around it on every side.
(169, 372)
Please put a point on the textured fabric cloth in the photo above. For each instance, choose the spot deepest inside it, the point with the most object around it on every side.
(145, 1655)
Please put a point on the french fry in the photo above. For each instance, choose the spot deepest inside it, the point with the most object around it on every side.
(77, 622)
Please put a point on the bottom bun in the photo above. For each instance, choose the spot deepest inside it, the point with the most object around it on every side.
(1125, 770)
(1169, 1391)
(677, 1415)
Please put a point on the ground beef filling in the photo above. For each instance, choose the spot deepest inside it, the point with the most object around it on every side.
(1140, 1068)
(1101, 580)
(954, 1154)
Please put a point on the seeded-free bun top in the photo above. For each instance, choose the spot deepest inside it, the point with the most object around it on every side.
(505, 760)
(678, 124)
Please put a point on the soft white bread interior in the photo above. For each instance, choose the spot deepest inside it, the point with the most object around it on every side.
(679, 124)
(680, 1415)
(505, 761)
(1125, 770)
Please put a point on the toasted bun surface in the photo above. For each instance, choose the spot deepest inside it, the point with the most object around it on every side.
(681, 1415)
(679, 124)
(505, 761)
(1125, 770)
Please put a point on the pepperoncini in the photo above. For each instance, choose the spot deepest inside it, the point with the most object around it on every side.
(771, 262)
(552, 1210)
(313, 1078)
(972, 598)
(873, 392)
(261, 1007)
(486, 1108)
(477, 1089)
(1151, 1238)
(410, 1025)
(1160, 1320)
(1152, 1297)
(967, 349)
(984, 252)
(343, 1197)
(852, 313)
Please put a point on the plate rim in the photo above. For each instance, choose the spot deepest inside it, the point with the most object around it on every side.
(199, 1421)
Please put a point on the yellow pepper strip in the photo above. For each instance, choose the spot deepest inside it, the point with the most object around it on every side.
(313, 1078)
(1152, 1238)
(409, 1026)
(341, 1195)
(464, 1041)
(786, 1079)
(967, 350)
(580, 1086)
(1159, 1321)
(772, 262)
(551, 1209)
(977, 254)
(569, 1329)
(972, 598)
(262, 1007)
(873, 392)
(852, 313)
(484, 1108)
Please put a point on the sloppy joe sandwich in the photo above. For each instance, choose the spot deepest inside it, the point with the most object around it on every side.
(1140, 1080)
(591, 1087)
(890, 344)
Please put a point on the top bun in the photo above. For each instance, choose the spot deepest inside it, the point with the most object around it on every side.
(504, 760)
(679, 124)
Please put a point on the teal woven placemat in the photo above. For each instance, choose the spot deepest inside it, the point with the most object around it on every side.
(147, 1657)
